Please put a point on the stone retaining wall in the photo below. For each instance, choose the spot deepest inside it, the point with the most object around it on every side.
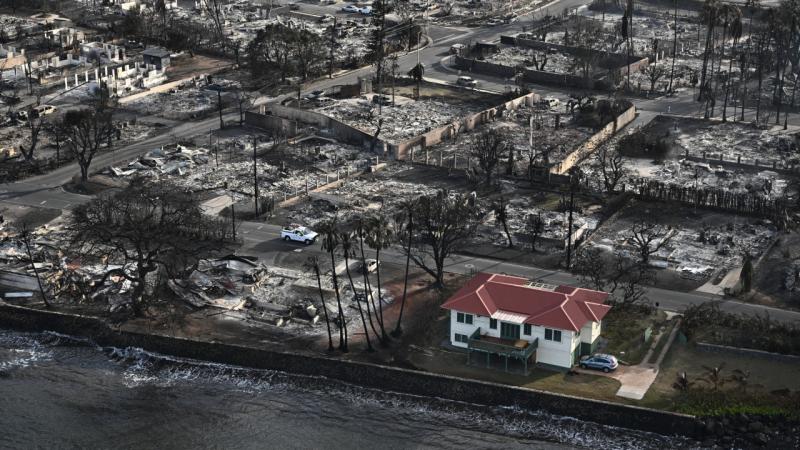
(364, 374)
(705, 346)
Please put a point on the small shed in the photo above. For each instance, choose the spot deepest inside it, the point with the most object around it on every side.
(156, 56)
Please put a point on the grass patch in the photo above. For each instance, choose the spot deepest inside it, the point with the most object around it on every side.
(624, 329)
(772, 388)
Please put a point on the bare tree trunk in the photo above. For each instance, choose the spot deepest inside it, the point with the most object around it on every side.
(358, 303)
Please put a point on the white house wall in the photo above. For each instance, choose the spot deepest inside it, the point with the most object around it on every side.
(460, 328)
(552, 352)
(590, 332)
(548, 352)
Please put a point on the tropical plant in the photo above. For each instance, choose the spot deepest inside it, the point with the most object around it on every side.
(347, 238)
(313, 264)
(379, 237)
(330, 243)
(713, 376)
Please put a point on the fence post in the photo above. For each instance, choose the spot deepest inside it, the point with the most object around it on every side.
(441, 157)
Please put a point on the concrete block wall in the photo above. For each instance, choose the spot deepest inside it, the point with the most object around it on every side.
(467, 123)
(591, 144)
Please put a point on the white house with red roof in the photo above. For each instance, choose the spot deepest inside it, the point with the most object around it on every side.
(515, 318)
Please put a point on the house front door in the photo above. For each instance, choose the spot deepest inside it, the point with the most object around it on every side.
(509, 331)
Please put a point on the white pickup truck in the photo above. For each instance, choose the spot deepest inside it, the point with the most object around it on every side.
(299, 234)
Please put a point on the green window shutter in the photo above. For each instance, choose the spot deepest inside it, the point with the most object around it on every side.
(548, 334)
(527, 329)
(460, 317)
(493, 324)
(468, 319)
(557, 335)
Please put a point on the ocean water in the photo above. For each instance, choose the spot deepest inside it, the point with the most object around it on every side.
(57, 391)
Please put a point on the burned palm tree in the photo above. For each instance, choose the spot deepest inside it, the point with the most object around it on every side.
(731, 17)
(313, 264)
(501, 214)
(405, 229)
(330, 243)
(379, 237)
(710, 15)
(361, 232)
(347, 240)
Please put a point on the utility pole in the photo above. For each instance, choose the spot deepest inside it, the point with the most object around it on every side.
(255, 175)
(333, 44)
(219, 103)
(674, 46)
(26, 240)
(569, 226)
(233, 211)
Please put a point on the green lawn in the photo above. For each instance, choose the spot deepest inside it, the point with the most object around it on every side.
(772, 386)
(624, 330)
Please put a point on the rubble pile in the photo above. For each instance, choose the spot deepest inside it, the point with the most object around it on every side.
(190, 100)
(739, 140)
(231, 164)
(356, 197)
(513, 56)
(556, 223)
(550, 143)
(696, 248)
(401, 121)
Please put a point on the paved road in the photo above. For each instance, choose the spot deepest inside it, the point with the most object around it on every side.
(263, 240)
(260, 239)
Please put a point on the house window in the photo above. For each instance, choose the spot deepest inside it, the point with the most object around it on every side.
(459, 318)
(464, 318)
(462, 338)
(493, 324)
(552, 335)
(527, 329)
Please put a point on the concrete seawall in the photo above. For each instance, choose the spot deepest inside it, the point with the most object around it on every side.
(364, 374)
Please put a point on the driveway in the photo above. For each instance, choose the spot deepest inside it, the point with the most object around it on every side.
(634, 380)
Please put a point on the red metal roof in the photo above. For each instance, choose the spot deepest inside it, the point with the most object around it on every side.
(565, 307)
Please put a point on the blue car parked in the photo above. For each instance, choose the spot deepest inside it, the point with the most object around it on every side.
(600, 361)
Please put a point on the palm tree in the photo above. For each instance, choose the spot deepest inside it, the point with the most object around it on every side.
(734, 17)
(674, 46)
(682, 382)
(741, 377)
(407, 231)
(713, 376)
(379, 236)
(417, 73)
(361, 232)
(731, 17)
(346, 239)
(313, 263)
(710, 15)
(330, 243)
